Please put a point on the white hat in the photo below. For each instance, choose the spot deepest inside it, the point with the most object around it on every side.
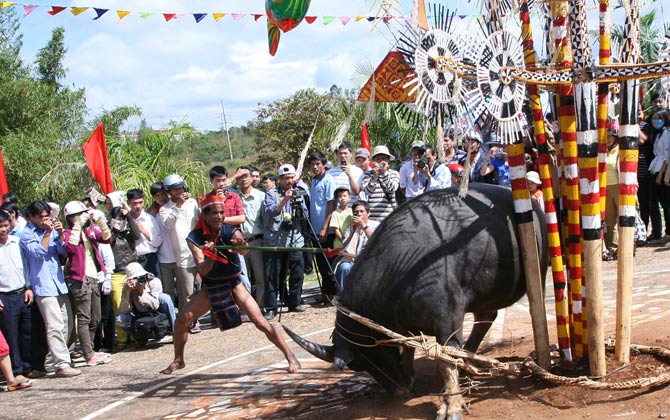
(74, 207)
(533, 177)
(362, 153)
(286, 169)
(382, 150)
(135, 270)
(473, 135)
(173, 181)
(117, 198)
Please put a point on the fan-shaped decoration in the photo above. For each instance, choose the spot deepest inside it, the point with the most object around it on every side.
(283, 15)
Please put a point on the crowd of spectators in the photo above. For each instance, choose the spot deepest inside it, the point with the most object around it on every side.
(84, 284)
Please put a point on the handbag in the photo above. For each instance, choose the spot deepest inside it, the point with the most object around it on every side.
(640, 229)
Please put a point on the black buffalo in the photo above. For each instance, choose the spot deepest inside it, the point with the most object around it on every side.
(431, 261)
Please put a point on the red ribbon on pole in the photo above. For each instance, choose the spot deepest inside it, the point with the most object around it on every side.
(4, 188)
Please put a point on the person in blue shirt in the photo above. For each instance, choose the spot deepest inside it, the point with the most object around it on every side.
(496, 162)
(42, 244)
(321, 208)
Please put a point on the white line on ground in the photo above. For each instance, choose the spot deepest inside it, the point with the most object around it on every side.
(178, 378)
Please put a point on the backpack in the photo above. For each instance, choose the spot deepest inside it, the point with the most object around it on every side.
(153, 325)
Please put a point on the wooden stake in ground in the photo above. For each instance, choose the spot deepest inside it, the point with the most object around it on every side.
(589, 186)
(523, 207)
(628, 156)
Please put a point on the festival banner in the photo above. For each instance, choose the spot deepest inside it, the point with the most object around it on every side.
(95, 151)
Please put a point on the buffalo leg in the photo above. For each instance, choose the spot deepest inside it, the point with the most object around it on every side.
(452, 406)
(408, 363)
(483, 321)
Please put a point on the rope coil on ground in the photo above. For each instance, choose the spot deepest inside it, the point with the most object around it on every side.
(491, 367)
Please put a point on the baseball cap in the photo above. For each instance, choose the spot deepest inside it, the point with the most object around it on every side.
(418, 144)
(286, 169)
(533, 177)
(362, 153)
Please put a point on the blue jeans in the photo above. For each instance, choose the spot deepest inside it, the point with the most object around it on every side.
(342, 274)
(165, 306)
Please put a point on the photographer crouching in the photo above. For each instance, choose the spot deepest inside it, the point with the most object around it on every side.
(145, 312)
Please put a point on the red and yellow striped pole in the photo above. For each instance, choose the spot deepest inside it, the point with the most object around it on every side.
(589, 187)
(523, 209)
(628, 157)
(553, 235)
(567, 127)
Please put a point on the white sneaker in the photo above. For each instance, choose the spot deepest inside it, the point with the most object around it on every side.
(165, 340)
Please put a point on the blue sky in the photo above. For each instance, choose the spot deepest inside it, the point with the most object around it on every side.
(181, 71)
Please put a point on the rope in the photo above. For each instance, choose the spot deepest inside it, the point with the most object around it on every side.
(466, 360)
(269, 248)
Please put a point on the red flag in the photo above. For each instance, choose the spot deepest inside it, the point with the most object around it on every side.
(365, 138)
(95, 151)
(4, 188)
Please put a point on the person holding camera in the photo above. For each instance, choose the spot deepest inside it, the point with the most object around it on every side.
(284, 212)
(380, 184)
(180, 214)
(496, 162)
(412, 178)
(346, 175)
(86, 229)
(142, 298)
(437, 175)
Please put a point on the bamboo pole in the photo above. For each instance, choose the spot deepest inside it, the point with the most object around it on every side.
(589, 191)
(523, 209)
(628, 157)
(553, 236)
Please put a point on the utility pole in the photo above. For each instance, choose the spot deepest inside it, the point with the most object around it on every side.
(224, 122)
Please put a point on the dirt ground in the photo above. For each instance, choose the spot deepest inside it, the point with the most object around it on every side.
(238, 375)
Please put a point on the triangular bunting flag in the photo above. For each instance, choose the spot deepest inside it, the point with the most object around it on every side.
(257, 16)
(78, 10)
(238, 16)
(328, 19)
(145, 15)
(28, 9)
(4, 4)
(218, 16)
(359, 18)
(310, 19)
(371, 18)
(199, 16)
(169, 16)
(55, 10)
(99, 12)
(344, 19)
(408, 19)
(122, 13)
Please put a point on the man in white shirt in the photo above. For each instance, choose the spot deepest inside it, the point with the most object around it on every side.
(412, 179)
(151, 238)
(16, 296)
(346, 175)
(180, 216)
(252, 229)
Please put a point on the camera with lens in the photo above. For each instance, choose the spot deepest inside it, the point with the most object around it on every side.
(142, 280)
(298, 192)
(422, 163)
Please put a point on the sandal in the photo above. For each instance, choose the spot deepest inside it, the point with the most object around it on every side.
(99, 359)
(17, 385)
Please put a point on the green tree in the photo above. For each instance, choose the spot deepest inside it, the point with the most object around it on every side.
(50, 69)
(11, 41)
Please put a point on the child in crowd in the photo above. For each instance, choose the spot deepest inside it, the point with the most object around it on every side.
(534, 184)
(6, 367)
(341, 217)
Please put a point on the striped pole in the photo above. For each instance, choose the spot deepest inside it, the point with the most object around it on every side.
(589, 187)
(570, 190)
(523, 209)
(628, 156)
(603, 90)
(553, 236)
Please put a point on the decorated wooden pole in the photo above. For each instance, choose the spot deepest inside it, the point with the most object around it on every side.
(523, 208)
(589, 191)
(553, 236)
(628, 156)
(570, 191)
(603, 93)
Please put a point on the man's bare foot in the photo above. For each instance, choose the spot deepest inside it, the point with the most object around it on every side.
(293, 364)
(175, 365)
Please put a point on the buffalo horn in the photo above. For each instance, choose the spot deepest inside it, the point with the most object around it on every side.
(325, 353)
